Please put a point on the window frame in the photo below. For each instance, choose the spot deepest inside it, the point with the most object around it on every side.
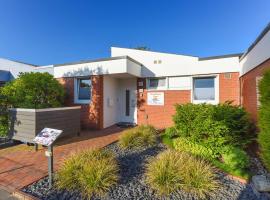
(216, 88)
(159, 87)
(76, 91)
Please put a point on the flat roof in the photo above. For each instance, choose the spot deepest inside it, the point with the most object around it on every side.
(221, 56)
(99, 60)
(258, 39)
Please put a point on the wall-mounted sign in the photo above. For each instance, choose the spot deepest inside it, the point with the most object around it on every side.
(47, 136)
(140, 83)
(155, 98)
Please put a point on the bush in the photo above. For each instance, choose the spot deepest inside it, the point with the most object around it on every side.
(173, 170)
(138, 137)
(30, 90)
(237, 120)
(264, 122)
(171, 132)
(34, 90)
(4, 120)
(184, 145)
(89, 172)
(235, 158)
(213, 126)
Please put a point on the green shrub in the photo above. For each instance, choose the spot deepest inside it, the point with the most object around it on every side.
(138, 137)
(184, 145)
(235, 158)
(171, 132)
(30, 90)
(89, 172)
(264, 122)
(34, 90)
(195, 121)
(173, 170)
(4, 121)
(213, 126)
(237, 120)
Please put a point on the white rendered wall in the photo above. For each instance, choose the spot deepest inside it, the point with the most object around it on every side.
(259, 54)
(15, 67)
(177, 65)
(117, 66)
(42, 69)
(110, 95)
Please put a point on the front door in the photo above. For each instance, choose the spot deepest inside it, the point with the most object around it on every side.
(128, 101)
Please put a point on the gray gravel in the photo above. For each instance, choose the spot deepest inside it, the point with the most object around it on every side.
(132, 183)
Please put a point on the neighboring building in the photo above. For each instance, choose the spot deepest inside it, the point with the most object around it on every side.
(142, 87)
(10, 70)
(253, 64)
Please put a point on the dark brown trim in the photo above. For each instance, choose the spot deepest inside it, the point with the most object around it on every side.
(221, 56)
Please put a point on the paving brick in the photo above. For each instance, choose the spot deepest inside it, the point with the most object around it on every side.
(19, 169)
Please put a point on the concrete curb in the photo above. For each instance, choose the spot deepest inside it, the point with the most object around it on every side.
(23, 196)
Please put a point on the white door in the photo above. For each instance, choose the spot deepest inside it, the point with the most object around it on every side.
(128, 100)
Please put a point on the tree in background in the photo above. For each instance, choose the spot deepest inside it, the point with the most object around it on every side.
(264, 119)
(30, 90)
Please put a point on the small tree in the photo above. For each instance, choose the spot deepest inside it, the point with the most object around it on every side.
(34, 90)
(264, 119)
(30, 90)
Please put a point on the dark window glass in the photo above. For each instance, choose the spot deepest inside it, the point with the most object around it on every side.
(84, 89)
(204, 88)
(127, 102)
(157, 82)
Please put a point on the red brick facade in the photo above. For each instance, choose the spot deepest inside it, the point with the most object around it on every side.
(161, 116)
(91, 114)
(229, 88)
(249, 88)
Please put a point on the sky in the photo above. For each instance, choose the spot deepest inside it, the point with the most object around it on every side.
(44, 32)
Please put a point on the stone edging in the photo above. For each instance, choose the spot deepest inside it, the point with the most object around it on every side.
(23, 196)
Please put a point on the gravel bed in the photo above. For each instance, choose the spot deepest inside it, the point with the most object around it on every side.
(132, 184)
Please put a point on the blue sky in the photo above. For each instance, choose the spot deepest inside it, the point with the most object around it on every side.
(57, 31)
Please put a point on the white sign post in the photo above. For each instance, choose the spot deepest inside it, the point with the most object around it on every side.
(155, 98)
(47, 137)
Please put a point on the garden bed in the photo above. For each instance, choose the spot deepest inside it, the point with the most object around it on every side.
(132, 183)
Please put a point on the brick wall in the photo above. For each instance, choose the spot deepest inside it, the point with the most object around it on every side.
(161, 116)
(249, 88)
(91, 114)
(229, 88)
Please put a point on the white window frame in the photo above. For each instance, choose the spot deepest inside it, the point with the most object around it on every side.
(158, 88)
(258, 79)
(216, 82)
(76, 90)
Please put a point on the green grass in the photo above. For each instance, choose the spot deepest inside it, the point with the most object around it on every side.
(172, 170)
(167, 140)
(89, 172)
(241, 173)
(138, 137)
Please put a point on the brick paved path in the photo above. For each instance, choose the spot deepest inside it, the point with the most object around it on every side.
(21, 168)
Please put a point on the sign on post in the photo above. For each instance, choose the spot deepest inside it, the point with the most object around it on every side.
(47, 137)
(155, 98)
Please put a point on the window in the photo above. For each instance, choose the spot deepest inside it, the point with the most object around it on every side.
(82, 90)
(204, 89)
(157, 83)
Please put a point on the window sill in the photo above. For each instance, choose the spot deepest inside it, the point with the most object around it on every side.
(82, 101)
(214, 102)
